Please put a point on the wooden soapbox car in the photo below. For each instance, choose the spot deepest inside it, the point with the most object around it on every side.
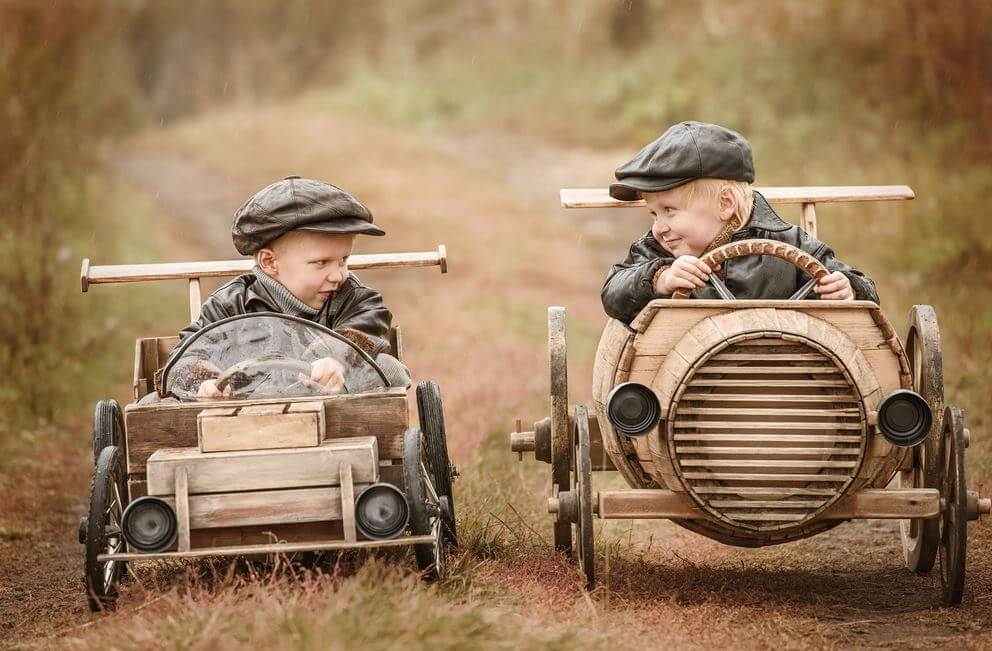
(757, 422)
(231, 477)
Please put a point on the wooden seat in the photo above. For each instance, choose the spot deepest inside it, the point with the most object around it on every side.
(194, 271)
(805, 196)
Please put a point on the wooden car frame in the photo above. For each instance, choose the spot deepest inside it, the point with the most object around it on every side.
(756, 422)
(262, 476)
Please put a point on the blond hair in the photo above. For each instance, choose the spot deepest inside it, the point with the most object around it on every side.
(710, 189)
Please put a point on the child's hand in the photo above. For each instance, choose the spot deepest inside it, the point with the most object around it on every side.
(835, 287)
(327, 372)
(687, 272)
(208, 389)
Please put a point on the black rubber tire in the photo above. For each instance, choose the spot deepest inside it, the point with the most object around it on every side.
(430, 557)
(108, 427)
(431, 411)
(101, 579)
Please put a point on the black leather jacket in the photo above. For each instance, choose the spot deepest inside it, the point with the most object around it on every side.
(629, 287)
(353, 305)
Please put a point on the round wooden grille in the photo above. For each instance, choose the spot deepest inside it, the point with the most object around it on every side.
(767, 432)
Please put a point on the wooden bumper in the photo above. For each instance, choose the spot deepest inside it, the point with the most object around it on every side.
(895, 504)
(275, 548)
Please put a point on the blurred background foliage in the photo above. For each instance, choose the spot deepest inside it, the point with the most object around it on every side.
(891, 91)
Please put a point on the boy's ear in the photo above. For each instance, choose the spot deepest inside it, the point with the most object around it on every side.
(727, 204)
(266, 259)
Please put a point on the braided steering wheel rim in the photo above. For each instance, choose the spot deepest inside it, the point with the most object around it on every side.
(797, 257)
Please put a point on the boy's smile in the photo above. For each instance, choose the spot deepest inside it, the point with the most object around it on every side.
(686, 220)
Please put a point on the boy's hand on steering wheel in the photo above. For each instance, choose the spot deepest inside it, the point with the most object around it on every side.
(835, 287)
(687, 272)
(327, 372)
(208, 389)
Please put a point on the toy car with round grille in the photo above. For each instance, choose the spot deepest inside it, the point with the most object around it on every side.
(280, 464)
(757, 422)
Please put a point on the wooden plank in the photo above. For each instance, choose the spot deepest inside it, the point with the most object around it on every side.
(194, 299)
(826, 412)
(768, 451)
(765, 463)
(181, 491)
(886, 503)
(261, 427)
(738, 425)
(256, 508)
(777, 491)
(704, 382)
(771, 370)
(383, 415)
(767, 397)
(768, 517)
(225, 472)
(747, 476)
(779, 357)
(764, 504)
(809, 218)
(600, 197)
(769, 438)
(646, 504)
(276, 548)
(348, 502)
(129, 273)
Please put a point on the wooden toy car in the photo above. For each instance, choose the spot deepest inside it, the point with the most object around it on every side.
(757, 422)
(281, 465)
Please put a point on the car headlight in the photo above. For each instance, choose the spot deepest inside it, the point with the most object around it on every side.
(904, 418)
(149, 524)
(381, 512)
(633, 408)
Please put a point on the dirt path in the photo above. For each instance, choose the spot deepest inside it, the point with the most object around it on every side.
(480, 331)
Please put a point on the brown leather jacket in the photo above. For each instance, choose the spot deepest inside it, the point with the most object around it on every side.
(629, 286)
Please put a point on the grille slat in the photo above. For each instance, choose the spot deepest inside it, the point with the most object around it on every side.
(767, 432)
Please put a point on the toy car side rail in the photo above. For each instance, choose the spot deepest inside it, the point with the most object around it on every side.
(806, 196)
(194, 271)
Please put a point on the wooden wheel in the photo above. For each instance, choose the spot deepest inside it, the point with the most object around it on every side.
(108, 497)
(921, 538)
(954, 519)
(561, 445)
(582, 487)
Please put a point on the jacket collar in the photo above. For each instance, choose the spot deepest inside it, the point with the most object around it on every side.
(256, 292)
(763, 218)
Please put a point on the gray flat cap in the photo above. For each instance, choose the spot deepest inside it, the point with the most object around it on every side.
(298, 203)
(687, 151)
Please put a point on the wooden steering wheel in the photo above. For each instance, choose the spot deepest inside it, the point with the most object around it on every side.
(799, 259)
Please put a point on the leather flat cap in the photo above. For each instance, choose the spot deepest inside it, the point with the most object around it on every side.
(685, 152)
(298, 203)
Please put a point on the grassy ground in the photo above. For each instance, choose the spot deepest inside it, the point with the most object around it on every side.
(480, 331)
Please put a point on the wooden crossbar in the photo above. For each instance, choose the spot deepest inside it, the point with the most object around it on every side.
(600, 197)
(131, 273)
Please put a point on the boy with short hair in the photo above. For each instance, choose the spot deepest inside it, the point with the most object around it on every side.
(301, 233)
(696, 181)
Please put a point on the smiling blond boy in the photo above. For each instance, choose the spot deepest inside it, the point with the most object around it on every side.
(696, 181)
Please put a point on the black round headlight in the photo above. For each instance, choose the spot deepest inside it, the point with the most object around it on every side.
(149, 524)
(381, 512)
(904, 418)
(633, 408)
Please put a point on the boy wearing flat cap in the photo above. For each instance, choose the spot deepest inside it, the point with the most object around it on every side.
(696, 181)
(301, 232)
